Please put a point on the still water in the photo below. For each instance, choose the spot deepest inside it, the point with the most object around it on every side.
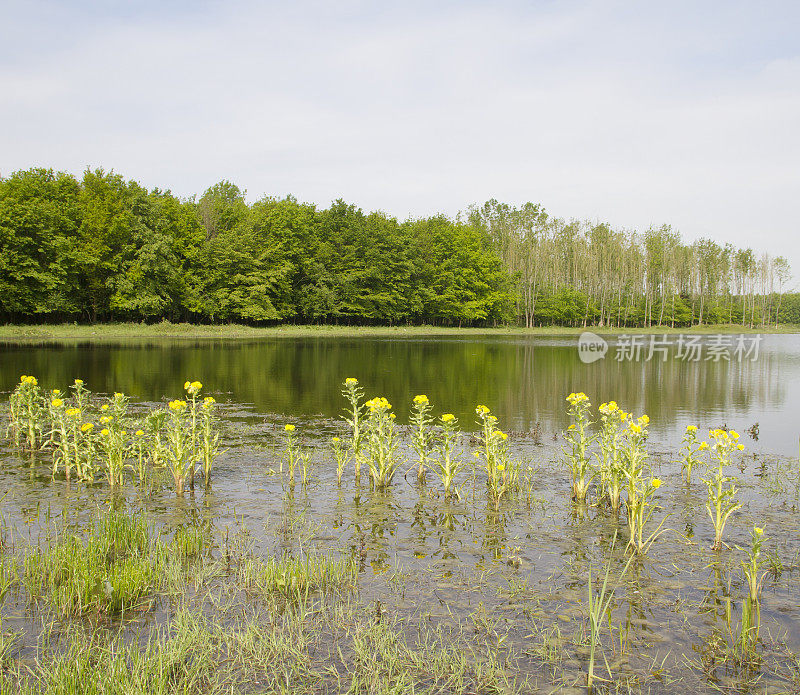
(423, 557)
(524, 380)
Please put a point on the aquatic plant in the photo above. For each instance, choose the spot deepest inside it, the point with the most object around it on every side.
(421, 433)
(579, 440)
(640, 488)
(27, 412)
(193, 389)
(448, 462)
(153, 427)
(381, 442)
(355, 418)
(290, 453)
(690, 447)
(111, 571)
(341, 456)
(722, 489)
(502, 471)
(180, 455)
(598, 607)
(750, 626)
(113, 441)
(612, 471)
(209, 438)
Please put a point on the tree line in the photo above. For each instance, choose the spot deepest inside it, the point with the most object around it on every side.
(101, 248)
(573, 272)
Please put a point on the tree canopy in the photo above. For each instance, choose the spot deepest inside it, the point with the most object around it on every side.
(102, 248)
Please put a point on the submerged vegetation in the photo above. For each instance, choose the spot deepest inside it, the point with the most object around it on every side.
(126, 602)
(101, 248)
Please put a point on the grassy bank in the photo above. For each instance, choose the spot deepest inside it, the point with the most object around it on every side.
(236, 331)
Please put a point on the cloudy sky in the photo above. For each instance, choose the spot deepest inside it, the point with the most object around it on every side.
(637, 113)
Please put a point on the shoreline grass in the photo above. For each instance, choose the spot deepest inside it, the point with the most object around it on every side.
(113, 331)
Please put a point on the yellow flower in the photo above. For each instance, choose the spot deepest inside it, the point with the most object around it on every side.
(577, 398)
(336, 440)
(448, 417)
(208, 401)
(392, 415)
(421, 399)
(124, 433)
(758, 531)
(351, 381)
(502, 435)
(703, 446)
(734, 435)
(104, 406)
(56, 402)
(196, 385)
(139, 433)
(187, 385)
(656, 483)
(740, 447)
(87, 427)
(176, 406)
(691, 428)
(636, 429)
(501, 467)
(644, 420)
(482, 410)
(571, 427)
(104, 432)
(73, 412)
(105, 419)
(289, 428)
(78, 382)
(476, 453)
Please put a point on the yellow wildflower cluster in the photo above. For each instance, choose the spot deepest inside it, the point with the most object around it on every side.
(421, 399)
(726, 438)
(32, 380)
(177, 406)
(87, 427)
(351, 381)
(72, 412)
(57, 403)
(448, 417)
(577, 398)
(289, 428)
(379, 403)
(193, 387)
(608, 408)
(482, 410)
(139, 433)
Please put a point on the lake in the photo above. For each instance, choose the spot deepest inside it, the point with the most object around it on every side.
(506, 583)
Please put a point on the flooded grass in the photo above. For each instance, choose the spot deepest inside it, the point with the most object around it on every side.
(257, 583)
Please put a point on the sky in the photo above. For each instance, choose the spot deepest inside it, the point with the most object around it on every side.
(635, 113)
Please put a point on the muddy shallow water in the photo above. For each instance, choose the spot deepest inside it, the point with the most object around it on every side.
(520, 572)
